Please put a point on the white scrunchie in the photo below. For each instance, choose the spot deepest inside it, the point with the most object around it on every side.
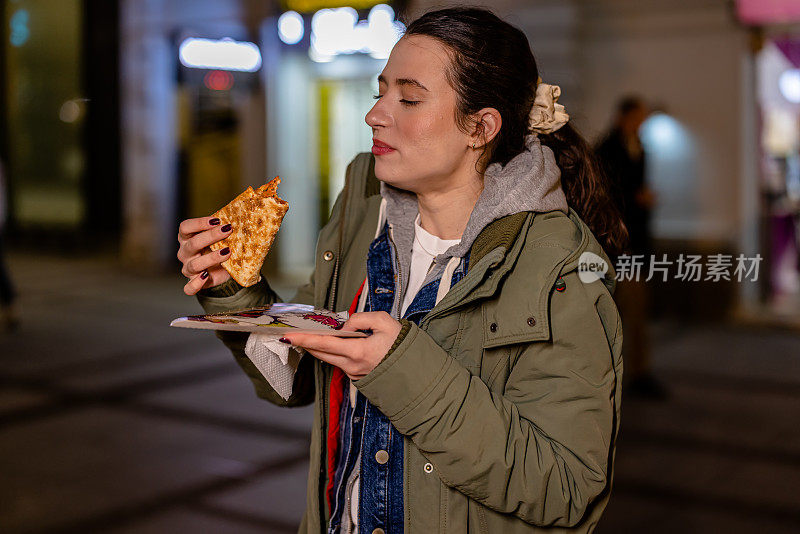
(547, 115)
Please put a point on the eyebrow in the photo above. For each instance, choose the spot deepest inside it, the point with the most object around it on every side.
(403, 81)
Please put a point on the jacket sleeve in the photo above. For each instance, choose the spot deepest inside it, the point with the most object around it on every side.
(232, 296)
(540, 450)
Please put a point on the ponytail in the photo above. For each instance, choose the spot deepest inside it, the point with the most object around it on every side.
(587, 188)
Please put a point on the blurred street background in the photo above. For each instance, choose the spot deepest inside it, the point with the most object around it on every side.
(118, 120)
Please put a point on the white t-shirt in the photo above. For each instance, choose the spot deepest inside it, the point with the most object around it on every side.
(426, 247)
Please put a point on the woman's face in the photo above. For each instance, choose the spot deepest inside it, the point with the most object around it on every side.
(415, 116)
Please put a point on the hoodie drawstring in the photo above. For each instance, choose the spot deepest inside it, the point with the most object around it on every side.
(447, 278)
(444, 282)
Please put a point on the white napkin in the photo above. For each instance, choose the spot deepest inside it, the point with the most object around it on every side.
(275, 360)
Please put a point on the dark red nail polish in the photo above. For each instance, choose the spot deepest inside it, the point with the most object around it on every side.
(284, 340)
(214, 221)
(204, 275)
(225, 251)
(226, 228)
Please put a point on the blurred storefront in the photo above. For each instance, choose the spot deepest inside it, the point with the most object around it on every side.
(116, 127)
(776, 49)
(192, 133)
(59, 121)
(197, 131)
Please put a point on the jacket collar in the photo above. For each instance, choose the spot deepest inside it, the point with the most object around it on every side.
(494, 252)
(540, 247)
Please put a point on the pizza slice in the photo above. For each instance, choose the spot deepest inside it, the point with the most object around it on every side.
(256, 217)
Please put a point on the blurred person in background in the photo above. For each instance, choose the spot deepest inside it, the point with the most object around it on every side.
(624, 161)
(487, 395)
(8, 317)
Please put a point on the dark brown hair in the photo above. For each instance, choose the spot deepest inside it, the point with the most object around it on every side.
(492, 66)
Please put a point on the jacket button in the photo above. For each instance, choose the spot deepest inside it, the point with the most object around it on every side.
(493, 327)
(381, 456)
(531, 321)
(378, 531)
(328, 255)
(428, 467)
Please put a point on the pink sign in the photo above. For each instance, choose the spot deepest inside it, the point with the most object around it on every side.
(768, 11)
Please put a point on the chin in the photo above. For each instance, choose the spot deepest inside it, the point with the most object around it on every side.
(385, 172)
(393, 175)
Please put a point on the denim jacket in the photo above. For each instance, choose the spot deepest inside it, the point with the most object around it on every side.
(368, 441)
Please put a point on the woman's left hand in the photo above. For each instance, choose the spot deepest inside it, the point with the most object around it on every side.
(356, 356)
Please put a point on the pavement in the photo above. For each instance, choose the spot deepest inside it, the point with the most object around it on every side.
(111, 421)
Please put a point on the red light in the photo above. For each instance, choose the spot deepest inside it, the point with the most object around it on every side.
(218, 80)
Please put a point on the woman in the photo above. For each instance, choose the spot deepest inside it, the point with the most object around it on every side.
(486, 398)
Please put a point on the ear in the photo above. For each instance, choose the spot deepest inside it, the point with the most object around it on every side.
(487, 125)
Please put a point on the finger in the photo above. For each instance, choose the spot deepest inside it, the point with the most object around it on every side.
(345, 364)
(331, 344)
(185, 271)
(183, 253)
(195, 284)
(206, 238)
(337, 360)
(366, 321)
(204, 262)
(189, 227)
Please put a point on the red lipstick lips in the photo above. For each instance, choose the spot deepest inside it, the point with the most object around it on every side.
(380, 148)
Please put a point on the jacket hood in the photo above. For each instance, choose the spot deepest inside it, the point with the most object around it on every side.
(531, 181)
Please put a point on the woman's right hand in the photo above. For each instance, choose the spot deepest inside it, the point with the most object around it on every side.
(201, 265)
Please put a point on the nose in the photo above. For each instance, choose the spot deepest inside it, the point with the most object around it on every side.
(377, 116)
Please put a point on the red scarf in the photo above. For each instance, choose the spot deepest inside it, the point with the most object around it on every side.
(337, 395)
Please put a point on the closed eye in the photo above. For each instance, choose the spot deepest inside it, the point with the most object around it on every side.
(406, 102)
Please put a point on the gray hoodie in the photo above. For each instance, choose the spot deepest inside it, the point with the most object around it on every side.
(531, 181)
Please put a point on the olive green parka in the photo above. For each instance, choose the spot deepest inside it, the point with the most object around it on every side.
(508, 392)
